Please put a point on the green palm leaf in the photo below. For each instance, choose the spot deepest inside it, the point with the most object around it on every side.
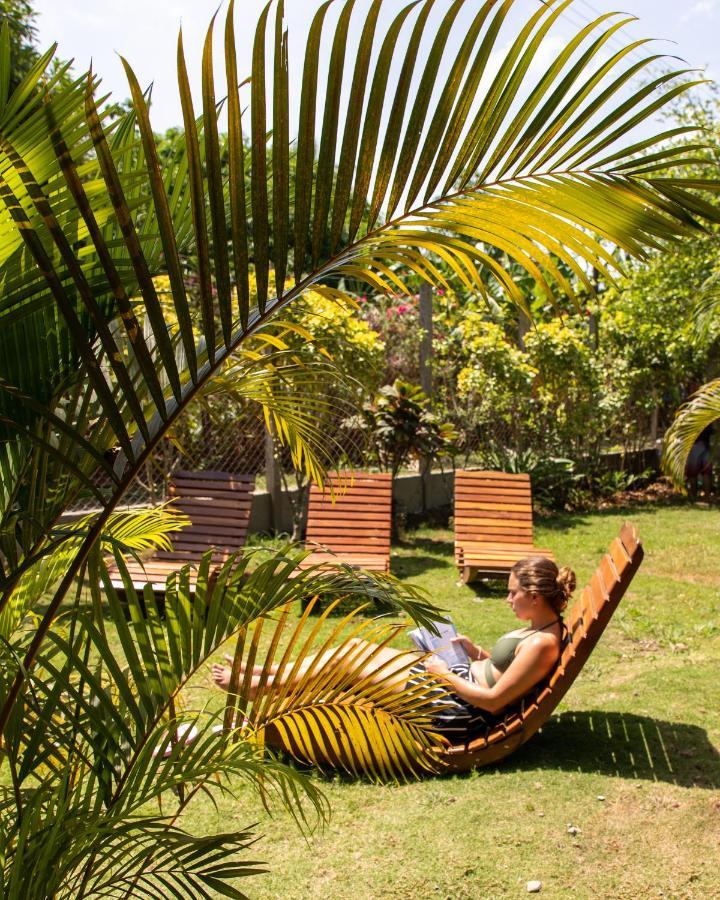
(693, 417)
(323, 709)
(121, 729)
(132, 531)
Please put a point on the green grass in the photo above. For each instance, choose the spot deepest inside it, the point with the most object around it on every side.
(640, 728)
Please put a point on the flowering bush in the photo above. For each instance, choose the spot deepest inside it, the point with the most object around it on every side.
(395, 320)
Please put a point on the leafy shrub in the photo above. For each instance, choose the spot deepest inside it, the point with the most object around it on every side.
(400, 425)
(552, 478)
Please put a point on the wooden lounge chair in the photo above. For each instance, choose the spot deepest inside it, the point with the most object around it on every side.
(218, 505)
(493, 523)
(585, 622)
(352, 525)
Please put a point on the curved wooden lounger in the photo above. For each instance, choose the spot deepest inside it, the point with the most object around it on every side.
(586, 621)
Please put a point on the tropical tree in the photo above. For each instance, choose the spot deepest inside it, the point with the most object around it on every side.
(428, 165)
(400, 426)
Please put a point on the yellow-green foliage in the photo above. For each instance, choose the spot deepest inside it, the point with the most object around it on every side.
(338, 332)
(556, 392)
(497, 375)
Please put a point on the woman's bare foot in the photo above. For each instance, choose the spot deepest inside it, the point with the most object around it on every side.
(221, 675)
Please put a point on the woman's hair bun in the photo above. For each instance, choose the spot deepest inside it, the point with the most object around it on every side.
(566, 581)
(540, 575)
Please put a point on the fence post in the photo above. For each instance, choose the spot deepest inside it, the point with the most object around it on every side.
(426, 354)
(272, 476)
(523, 328)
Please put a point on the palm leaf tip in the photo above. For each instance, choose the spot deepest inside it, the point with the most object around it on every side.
(701, 411)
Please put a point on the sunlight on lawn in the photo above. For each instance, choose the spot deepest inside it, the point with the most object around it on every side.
(640, 729)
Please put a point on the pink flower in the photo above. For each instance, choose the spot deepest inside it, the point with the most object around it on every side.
(440, 292)
(402, 308)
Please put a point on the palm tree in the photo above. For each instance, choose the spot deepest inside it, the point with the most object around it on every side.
(96, 369)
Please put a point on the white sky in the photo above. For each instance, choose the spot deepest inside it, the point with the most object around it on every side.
(145, 32)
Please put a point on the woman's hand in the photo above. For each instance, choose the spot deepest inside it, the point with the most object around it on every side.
(435, 666)
(472, 650)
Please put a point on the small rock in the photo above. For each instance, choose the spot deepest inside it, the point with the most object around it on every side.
(600, 797)
(534, 887)
(542, 814)
(572, 829)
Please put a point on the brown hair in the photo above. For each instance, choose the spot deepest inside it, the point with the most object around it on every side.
(539, 575)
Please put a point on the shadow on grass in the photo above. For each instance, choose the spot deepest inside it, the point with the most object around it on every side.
(489, 589)
(625, 745)
(426, 556)
(437, 547)
(409, 566)
(554, 520)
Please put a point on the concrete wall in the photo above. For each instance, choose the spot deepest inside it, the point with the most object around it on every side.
(408, 492)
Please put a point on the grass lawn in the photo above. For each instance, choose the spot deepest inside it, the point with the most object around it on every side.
(630, 759)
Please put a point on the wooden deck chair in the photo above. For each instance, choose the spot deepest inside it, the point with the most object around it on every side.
(218, 505)
(585, 622)
(493, 523)
(352, 525)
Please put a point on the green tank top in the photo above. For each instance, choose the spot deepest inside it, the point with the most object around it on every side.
(503, 653)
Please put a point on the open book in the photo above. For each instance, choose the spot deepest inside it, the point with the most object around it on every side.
(440, 644)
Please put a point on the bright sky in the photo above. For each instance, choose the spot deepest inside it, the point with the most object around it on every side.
(145, 32)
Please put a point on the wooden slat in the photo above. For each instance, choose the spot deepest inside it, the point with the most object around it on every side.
(481, 492)
(609, 573)
(373, 562)
(465, 509)
(353, 501)
(488, 475)
(599, 591)
(499, 545)
(354, 513)
(629, 538)
(620, 557)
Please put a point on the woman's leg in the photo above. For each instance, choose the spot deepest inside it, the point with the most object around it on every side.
(366, 662)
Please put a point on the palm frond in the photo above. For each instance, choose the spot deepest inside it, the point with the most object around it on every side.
(320, 705)
(128, 531)
(691, 419)
(706, 313)
(123, 734)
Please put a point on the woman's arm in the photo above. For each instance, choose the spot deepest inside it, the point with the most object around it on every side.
(533, 661)
(474, 651)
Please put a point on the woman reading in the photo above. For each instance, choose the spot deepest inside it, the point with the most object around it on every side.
(470, 695)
